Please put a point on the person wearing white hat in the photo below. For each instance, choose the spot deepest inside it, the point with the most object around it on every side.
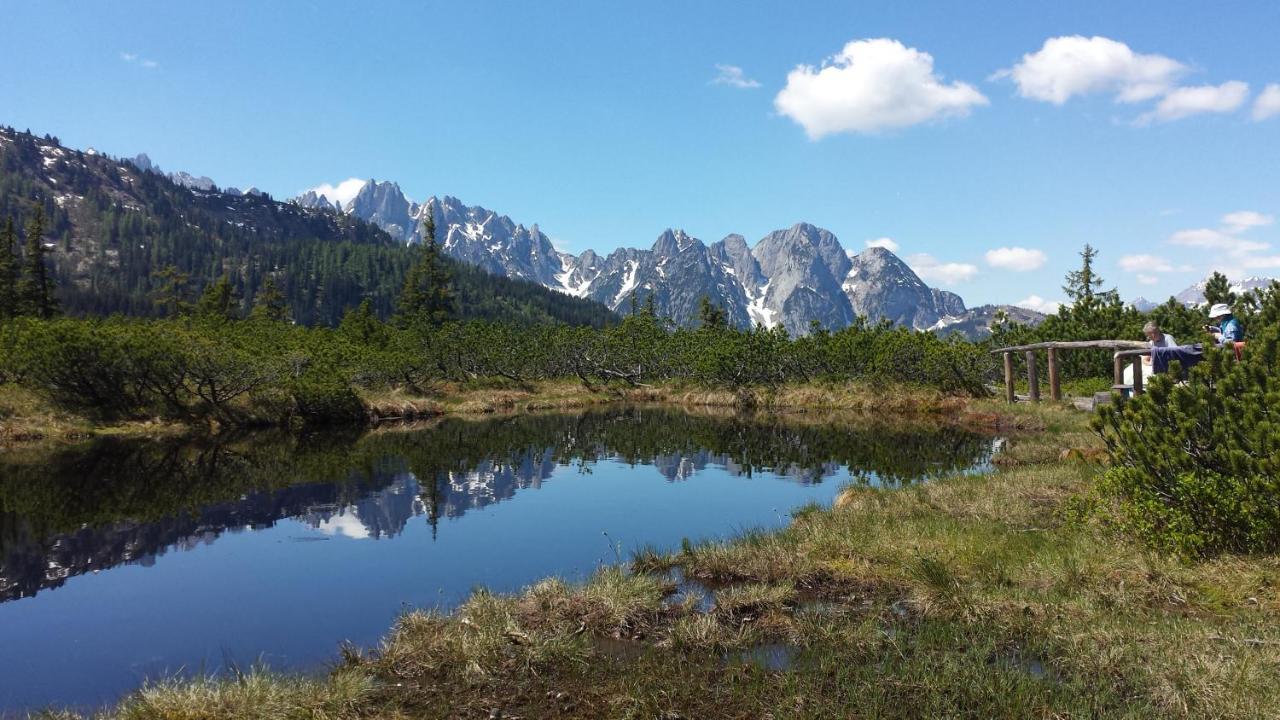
(1228, 329)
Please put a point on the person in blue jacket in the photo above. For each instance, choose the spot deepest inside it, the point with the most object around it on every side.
(1227, 329)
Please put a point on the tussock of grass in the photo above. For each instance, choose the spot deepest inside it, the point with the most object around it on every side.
(347, 693)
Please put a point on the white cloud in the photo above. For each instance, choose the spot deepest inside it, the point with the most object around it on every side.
(135, 59)
(887, 243)
(931, 270)
(1187, 101)
(1075, 65)
(733, 76)
(1145, 263)
(1016, 258)
(343, 192)
(869, 86)
(1241, 220)
(1268, 103)
(1211, 239)
(1148, 279)
(1039, 304)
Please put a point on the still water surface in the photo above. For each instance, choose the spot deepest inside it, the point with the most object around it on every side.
(126, 560)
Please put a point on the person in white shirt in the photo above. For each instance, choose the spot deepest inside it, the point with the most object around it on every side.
(1157, 338)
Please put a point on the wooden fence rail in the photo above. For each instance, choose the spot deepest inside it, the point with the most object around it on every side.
(1124, 350)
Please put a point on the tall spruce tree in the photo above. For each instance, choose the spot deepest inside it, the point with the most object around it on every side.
(35, 289)
(1083, 284)
(8, 271)
(427, 297)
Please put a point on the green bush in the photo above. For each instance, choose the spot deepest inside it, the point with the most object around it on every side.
(1196, 466)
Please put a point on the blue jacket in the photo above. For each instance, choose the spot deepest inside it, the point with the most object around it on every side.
(1231, 331)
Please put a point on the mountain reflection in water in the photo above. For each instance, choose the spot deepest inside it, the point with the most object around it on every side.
(114, 502)
(127, 560)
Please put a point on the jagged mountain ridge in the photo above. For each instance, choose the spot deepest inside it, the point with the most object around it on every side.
(791, 277)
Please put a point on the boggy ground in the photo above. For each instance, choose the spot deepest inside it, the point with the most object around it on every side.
(974, 596)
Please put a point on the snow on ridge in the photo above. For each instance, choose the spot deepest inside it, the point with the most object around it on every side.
(757, 310)
(564, 285)
(633, 267)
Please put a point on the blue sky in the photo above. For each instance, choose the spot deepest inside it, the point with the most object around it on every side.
(1152, 135)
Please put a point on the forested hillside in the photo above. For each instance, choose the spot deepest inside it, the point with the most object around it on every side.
(118, 237)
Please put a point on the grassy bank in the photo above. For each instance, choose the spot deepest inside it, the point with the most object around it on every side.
(978, 596)
(27, 417)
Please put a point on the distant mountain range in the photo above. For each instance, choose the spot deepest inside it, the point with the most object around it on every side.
(1194, 296)
(790, 277)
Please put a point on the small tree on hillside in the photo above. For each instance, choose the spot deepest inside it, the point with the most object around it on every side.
(711, 315)
(269, 303)
(35, 289)
(218, 301)
(171, 291)
(8, 271)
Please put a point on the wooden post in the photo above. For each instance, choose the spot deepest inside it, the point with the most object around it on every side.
(1117, 366)
(1055, 383)
(1137, 375)
(1033, 380)
(1008, 378)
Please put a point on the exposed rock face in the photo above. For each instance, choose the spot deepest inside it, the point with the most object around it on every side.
(881, 286)
(791, 277)
(493, 242)
(383, 204)
(804, 266)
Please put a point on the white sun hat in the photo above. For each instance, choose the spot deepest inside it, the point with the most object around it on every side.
(1219, 310)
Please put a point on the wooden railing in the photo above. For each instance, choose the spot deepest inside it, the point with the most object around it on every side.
(1124, 349)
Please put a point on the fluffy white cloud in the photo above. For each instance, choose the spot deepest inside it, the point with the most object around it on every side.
(869, 86)
(931, 270)
(1145, 263)
(343, 192)
(1211, 239)
(733, 76)
(1242, 220)
(1268, 103)
(1075, 65)
(1039, 304)
(1187, 101)
(1148, 279)
(887, 243)
(1016, 258)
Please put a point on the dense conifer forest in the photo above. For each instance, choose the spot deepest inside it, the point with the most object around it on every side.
(120, 239)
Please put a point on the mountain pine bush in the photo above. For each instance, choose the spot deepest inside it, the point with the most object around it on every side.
(1196, 465)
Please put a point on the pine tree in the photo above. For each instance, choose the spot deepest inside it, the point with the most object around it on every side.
(217, 302)
(427, 296)
(711, 315)
(269, 303)
(35, 289)
(1217, 289)
(8, 271)
(170, 296)
(1082, 284)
